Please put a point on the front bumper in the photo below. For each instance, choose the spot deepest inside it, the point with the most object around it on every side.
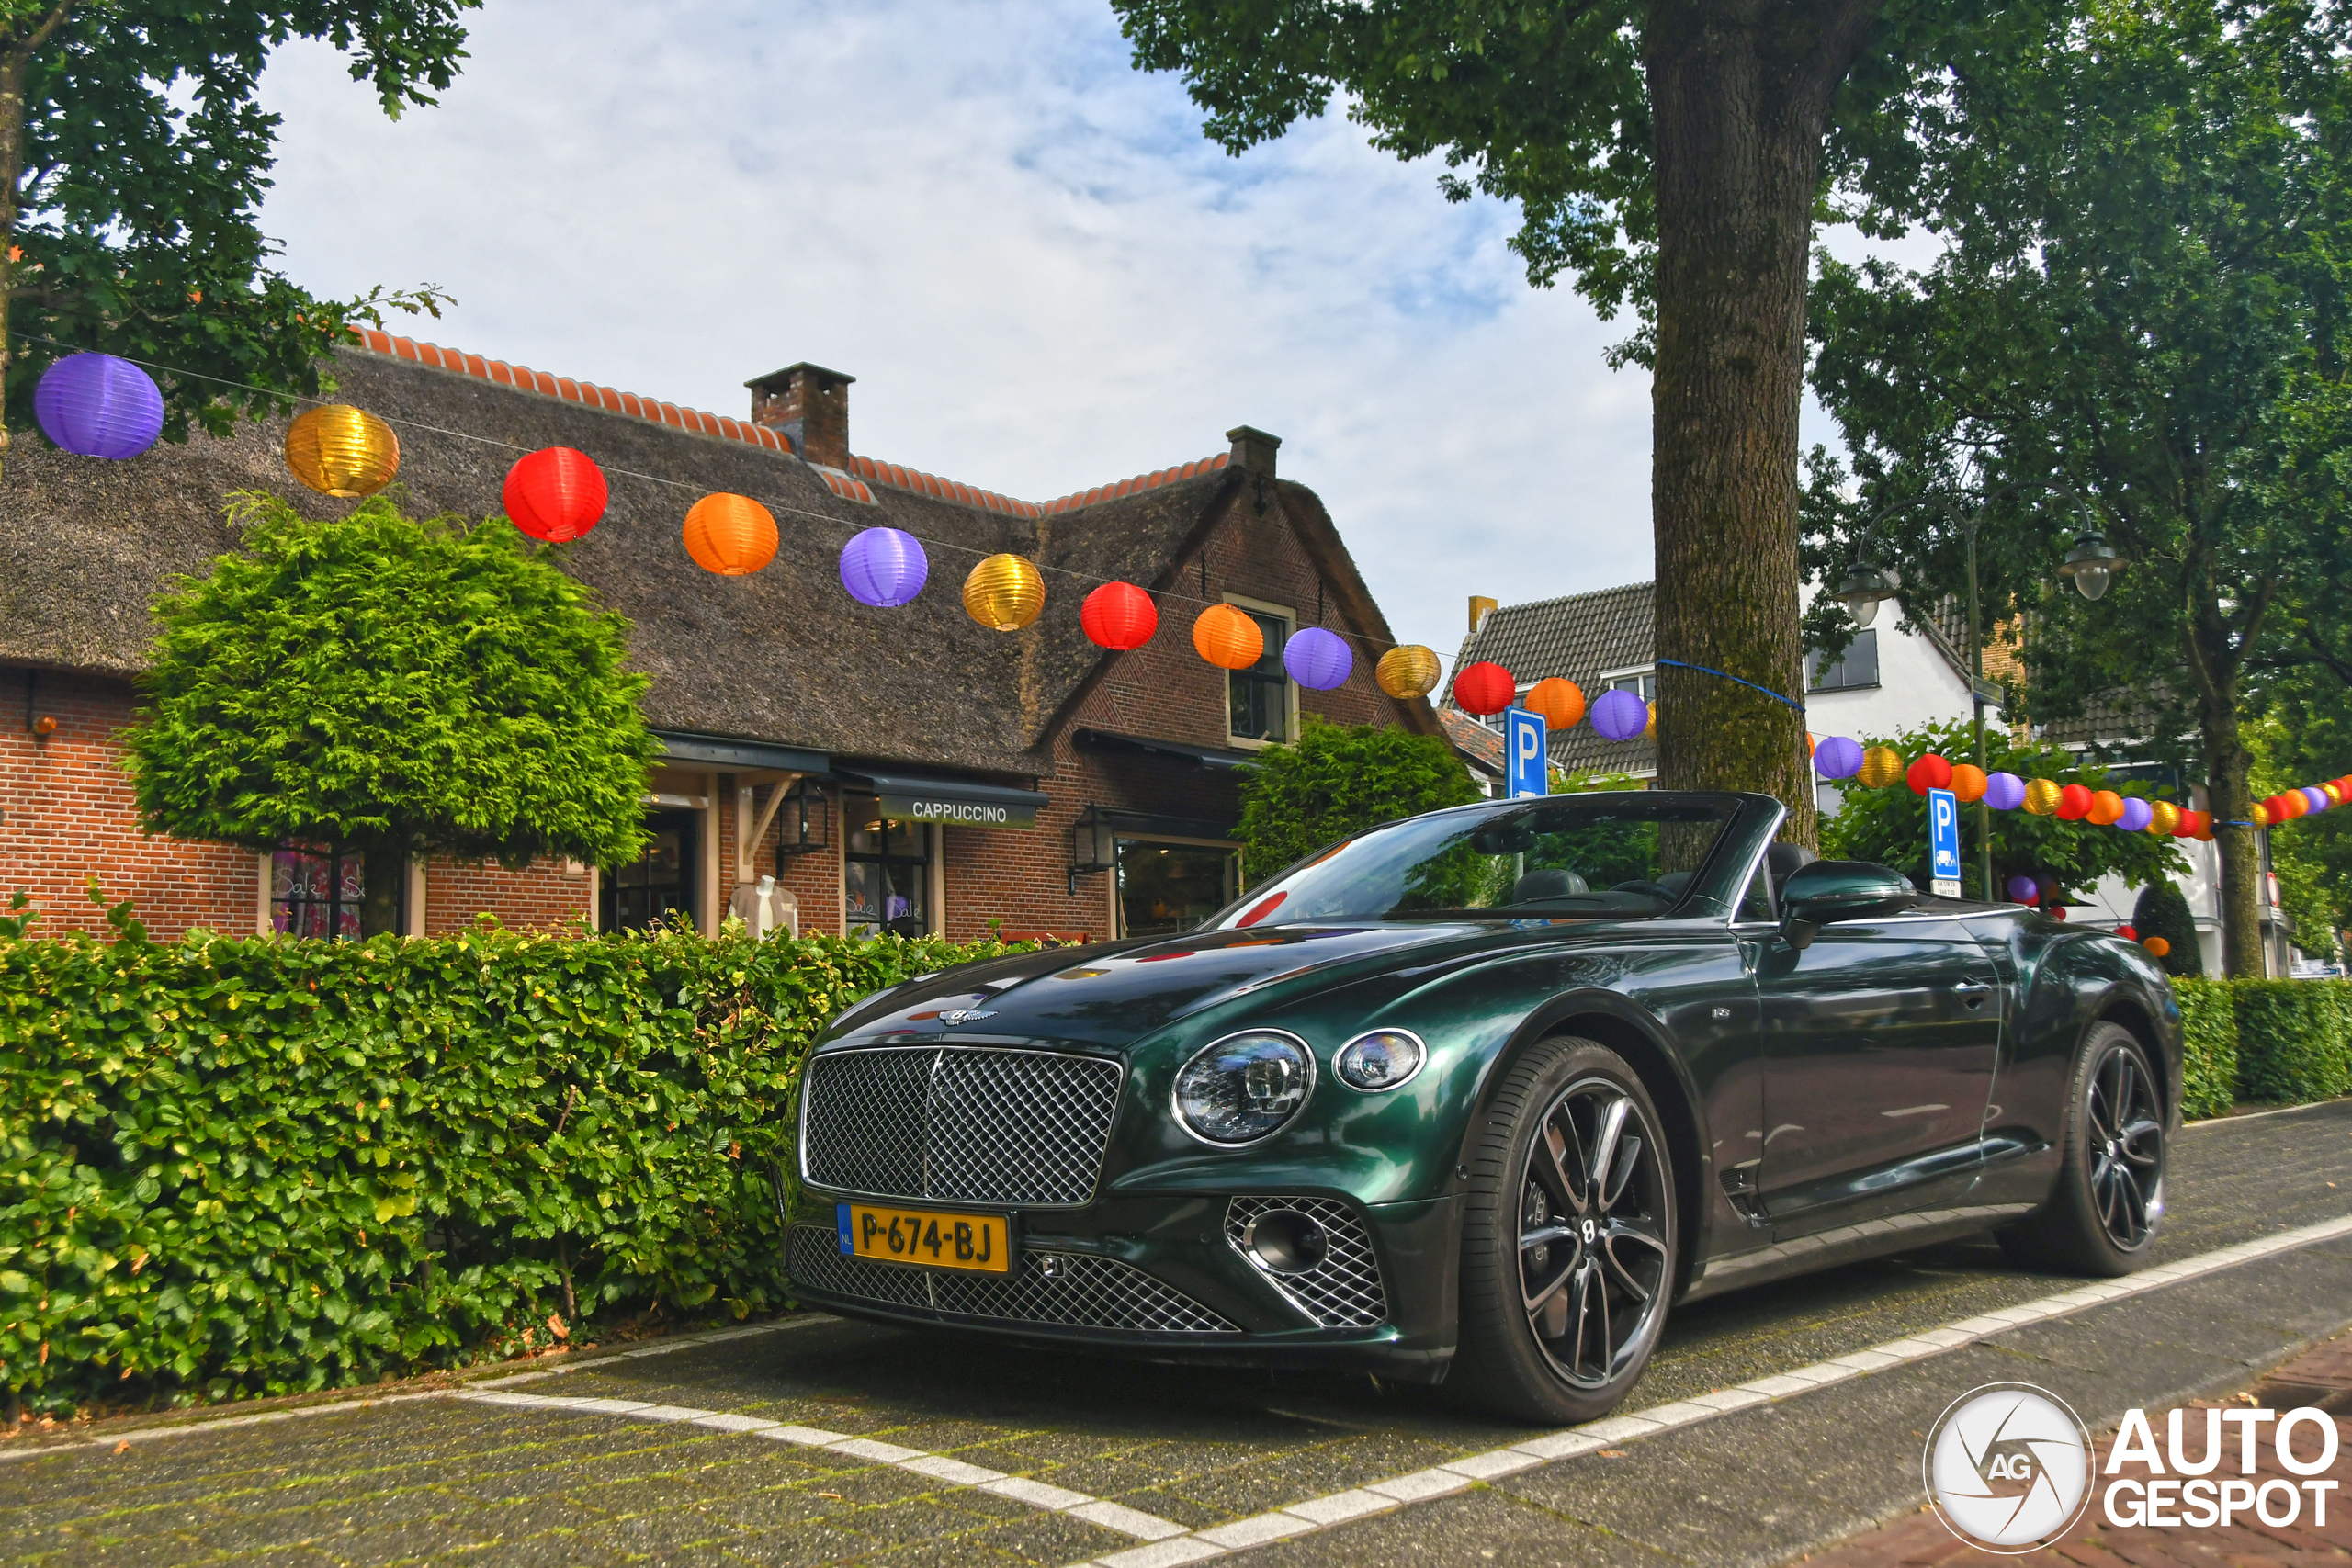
(1162, 1275)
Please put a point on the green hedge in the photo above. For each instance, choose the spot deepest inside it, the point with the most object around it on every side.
(2209, 1021)
(243, 1167)
(2294, 1039)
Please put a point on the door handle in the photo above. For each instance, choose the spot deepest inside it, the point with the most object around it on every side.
(1971, 992)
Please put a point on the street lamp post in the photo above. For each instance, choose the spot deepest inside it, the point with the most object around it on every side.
(2090, 566)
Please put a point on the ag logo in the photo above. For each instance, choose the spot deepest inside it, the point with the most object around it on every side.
(2008, 1466)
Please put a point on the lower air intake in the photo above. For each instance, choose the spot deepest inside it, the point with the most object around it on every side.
(1081, 1291)
(1342, 1289)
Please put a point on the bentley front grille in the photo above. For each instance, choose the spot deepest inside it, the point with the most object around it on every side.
(966, 1124)
(1063, 1290)
(1339, 1290)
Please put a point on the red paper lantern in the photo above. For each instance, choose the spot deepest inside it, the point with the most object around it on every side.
(2074, 802)
(1118, 615)
(1929, 772)
(2185, 828)
(2126, 933)
(1484, 688)
(555, 494)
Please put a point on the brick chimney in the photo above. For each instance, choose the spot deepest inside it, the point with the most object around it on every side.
(1253, 450)
(809, 403)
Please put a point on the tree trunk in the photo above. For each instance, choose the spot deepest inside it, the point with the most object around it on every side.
(2227, 793)
(16, 46)
(1740, 94)
(382, 868)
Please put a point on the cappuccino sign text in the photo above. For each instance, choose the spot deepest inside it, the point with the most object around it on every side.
(967, 813)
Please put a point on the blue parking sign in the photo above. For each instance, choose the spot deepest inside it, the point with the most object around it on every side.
(1524, 744)
(1943, 842)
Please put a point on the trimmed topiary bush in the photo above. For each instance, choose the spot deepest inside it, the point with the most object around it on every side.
(2161, 911)
(2208, 1022)
(251, 1166)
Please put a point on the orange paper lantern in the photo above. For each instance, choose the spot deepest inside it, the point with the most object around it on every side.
(1967, 782)
(730, 535)
(1227, 637)
(2106, 808)
(2157, 946)
(1559, 703)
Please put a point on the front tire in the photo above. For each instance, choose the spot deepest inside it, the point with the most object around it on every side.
(1569, 1240)
(2103, 1215)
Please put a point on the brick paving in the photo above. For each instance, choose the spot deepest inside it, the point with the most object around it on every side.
(2321, 1377)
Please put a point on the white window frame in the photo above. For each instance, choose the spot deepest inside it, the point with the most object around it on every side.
(1290, 688)
(1602, 682)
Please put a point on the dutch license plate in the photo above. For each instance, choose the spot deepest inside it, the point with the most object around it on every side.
(978, 1242)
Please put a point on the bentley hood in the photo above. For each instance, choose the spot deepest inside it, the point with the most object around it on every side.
(1115, 994)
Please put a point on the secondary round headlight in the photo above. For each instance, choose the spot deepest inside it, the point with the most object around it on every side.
(1382, 1059)
(1245, 1086)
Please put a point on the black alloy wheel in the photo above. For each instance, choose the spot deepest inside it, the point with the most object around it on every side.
(1569, 1239)
(2103, 1215)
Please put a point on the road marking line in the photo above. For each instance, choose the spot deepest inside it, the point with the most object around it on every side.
(1403, 1490)
(938, 1467)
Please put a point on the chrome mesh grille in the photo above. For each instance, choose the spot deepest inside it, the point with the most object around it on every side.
(965, 1123)
(1343, 1289)
(1084, 1291)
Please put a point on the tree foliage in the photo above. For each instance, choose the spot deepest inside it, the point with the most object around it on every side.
(397, 686)
(133, 157)
(2139, 302)
(1890, 826)
(1335, 780)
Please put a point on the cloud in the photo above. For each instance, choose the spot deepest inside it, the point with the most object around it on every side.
(1041, 274)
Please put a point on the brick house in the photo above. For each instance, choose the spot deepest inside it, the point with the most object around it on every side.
(902, 765)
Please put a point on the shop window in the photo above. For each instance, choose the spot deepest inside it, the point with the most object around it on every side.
(317, 893)
(886, 862)
(658, 884)
(1167, 889)
(1857, 668)
(1260, 707)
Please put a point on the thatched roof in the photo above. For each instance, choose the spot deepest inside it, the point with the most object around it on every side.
(784, 655)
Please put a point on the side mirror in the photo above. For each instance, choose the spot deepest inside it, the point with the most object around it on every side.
(1824, 891)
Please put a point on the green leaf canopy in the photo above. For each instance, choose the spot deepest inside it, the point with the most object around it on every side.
(400, 685)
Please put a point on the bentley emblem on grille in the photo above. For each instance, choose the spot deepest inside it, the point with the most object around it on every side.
(955, 1016)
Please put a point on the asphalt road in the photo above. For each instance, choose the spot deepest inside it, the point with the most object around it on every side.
(973, 1454)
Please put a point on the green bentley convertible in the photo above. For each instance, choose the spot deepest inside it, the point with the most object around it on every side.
(1476, 1095)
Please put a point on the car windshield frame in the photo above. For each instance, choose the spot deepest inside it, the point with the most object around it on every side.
(1301, 893)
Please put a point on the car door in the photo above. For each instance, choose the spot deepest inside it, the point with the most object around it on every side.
(1880, 1042)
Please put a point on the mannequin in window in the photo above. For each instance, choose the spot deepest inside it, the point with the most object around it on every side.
(765, 908)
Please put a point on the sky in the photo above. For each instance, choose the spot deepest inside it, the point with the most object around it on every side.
(1042, 275)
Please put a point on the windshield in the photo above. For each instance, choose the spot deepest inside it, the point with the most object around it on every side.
(1620, 855)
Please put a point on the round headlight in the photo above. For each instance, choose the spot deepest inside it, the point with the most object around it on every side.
(1382, 1059)
(1244, 1086)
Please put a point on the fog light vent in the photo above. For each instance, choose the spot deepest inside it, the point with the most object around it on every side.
(1316, 1252)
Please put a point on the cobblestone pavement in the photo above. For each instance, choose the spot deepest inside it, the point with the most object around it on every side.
(825, 1441)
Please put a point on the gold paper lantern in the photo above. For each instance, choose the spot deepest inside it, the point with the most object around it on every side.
(1559, 702)
(342, 451)
(2163, 818)
(2042, 797)
(2260, 814)
(1408, 671)
(1882, 765)
(730, 535)
(1227, 637)
(2107, 809)
(1005, 594)
(1649, 728)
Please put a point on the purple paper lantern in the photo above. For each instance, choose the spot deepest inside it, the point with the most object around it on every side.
(2316, 796)
(1838, 757)
(1318, 659)
(884, 568)
(2136, 813)
(1620, 714)
(98, 406)
(2022, 889)
(2003, 791)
